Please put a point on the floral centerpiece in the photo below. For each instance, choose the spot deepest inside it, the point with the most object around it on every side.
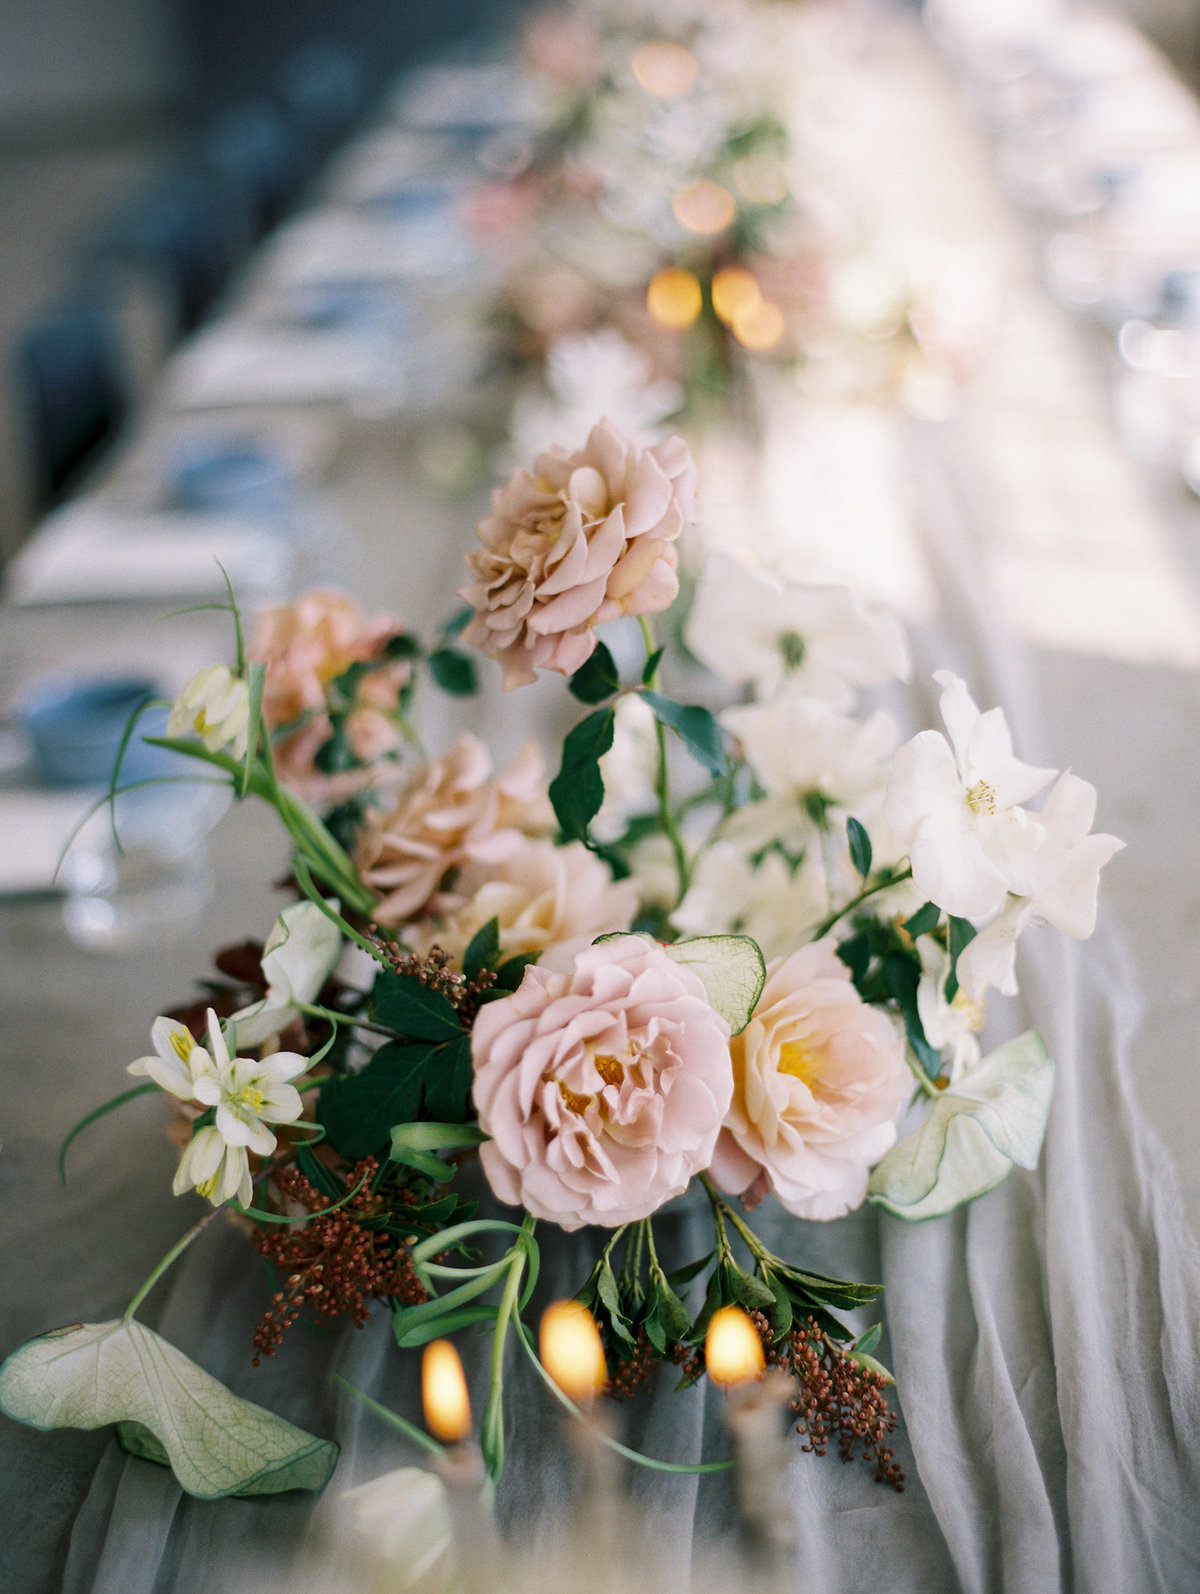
(744, 952)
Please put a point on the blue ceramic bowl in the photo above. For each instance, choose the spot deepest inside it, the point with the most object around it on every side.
(223, 476)
(75, 726)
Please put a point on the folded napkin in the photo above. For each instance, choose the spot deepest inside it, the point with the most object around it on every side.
(92, 550)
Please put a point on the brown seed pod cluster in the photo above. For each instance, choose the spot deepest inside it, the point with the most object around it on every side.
(835, 1398)
(336, 1263)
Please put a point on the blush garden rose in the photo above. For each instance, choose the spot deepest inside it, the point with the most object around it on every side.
(602, 1090)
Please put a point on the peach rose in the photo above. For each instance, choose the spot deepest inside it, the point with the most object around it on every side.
(603, 1090)
(819, 1077)
(305, 647)
(547, 899)
(589, 536)
(450, 812)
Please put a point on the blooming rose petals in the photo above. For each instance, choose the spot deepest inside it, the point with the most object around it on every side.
(819, 1078)
(588, 537)
(603, 1090)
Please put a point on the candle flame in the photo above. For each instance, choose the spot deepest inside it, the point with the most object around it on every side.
(571, 1351)
(704, 207)
(733, 1352)
(665, 69)
(444, 1393)
(674, 298)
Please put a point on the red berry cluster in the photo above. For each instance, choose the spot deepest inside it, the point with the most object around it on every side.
(336, 1262)
(835, 1398)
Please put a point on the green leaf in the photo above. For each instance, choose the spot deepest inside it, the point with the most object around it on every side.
(962, 933)
(732, 970)
(402, 1003)
(483, 950)
(869, 1364)
(458, 621)
(172, 1411)
(860, 846)
(714, 1298)
(510, 973)
(448, 1086)
(973, 1136)
(696, 728)
(577, 791)
(749, 1291)
(359, 1110)
(866, 1343)
(781, 1314)
(256, 675)
(596, 678)
(454, 672)
(685, 1275)
(902, 977)
(855, 953)
(670, 1310)
(651, 667)
(448, 1323)
(926, 918)
(610, 1297)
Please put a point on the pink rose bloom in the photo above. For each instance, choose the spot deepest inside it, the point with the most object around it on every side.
(819, 1077)
(547, 899)
(450, 812)
(589, 536)
(603, 1090)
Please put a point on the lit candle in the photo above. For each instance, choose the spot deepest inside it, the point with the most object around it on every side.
(460, 1466)
(572, 1354)
(733, 1356)
(674, 298)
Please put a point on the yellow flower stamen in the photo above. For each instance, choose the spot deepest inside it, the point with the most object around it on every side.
(796, 1059)
(182, 1044)
(609, 1069)
(207, 1187)
(982, 798)
(574, 1101)
(975, 1012)
(250, 1096)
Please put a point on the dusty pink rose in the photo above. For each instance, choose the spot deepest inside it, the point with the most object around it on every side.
(819, 1077)
(306, 646)
(451, 811)
(603, 1090)
(585, 538)
(546, 899)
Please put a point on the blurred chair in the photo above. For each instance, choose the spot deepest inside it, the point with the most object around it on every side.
(323, 91)
(187, 235)
(70, 395)
(250, 149)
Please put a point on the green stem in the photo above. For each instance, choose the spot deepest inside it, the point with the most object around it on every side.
(408, 1429)
(525, 1336)
(662, 784)
(892, 878)
(493, 1417)
(921, 1077)
(172, 1255)
(312, 1010)
(305, 882)
(722, 1210)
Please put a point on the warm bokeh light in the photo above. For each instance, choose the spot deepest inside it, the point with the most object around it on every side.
(762, 179)
(665, 69)
(704, 207)
(733, 1352)
(758, 327)
(571, 1351)
(444, 1393)
(735, 292)
(674, 298)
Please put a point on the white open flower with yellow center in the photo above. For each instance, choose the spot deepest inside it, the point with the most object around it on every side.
(214, 705)
(955, 806)
(246, 1093)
